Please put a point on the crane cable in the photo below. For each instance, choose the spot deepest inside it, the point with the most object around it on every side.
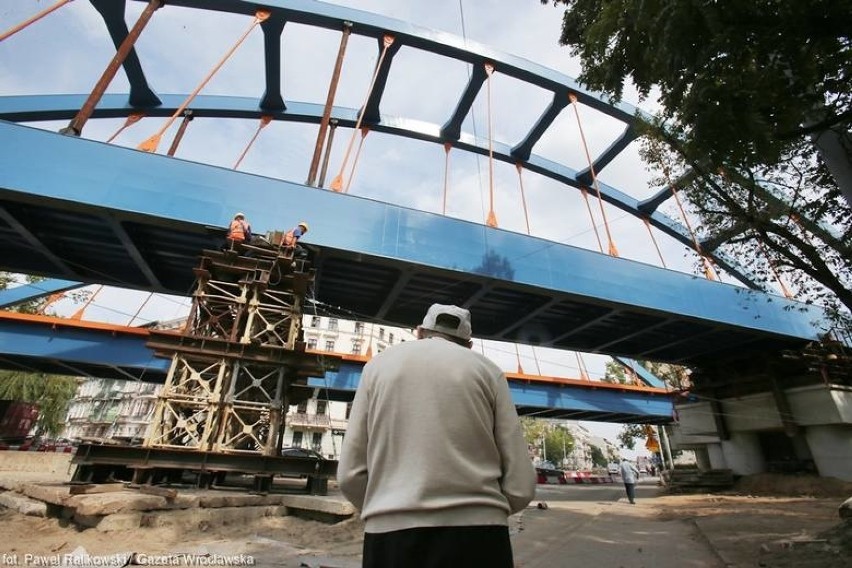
(151, 144)
(337, 182)
(33, 19)
(264, 121)
(612, 250)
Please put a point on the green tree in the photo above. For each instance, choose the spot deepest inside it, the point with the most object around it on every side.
(559, 444)
(50, 392)
(534, 430)
(740, 80)
(598, 459)
(756, 113)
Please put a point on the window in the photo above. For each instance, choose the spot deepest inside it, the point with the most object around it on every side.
(297, 439)
(332, 324)
(348, 410)
(381, 334)
(359, 327)
(390, 338)
(329, 345)
(315, 321)
(321, 407)
(316, 442)
(356, 346)
(312, 343)
(302, 408)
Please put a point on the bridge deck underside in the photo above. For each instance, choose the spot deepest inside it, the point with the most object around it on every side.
(42, 345)
(82, 210)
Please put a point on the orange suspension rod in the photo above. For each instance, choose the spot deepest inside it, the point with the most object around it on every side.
(337, 182)
(151, 144)
(653, 240)
(491, 221)
(78, 315)
(518, 355)
(131, 120)
(15, 29)
(612, 250)
(150, 295)
(592, 217)
(447, 148)
(520, 168)
(708, 268)
(584, 374)
(777, 276)
(364, 132)
(264, 120)
(535, 358)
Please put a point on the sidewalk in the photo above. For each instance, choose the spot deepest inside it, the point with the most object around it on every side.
(608, 534)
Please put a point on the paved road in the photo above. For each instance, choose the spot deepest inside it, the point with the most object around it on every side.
(594, 526)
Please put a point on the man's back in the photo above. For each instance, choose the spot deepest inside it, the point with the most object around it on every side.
(444, 441)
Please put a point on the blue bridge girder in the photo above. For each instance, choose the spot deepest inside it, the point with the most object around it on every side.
(34, 108)
(334, 17)
(93, 212)
(56, 346)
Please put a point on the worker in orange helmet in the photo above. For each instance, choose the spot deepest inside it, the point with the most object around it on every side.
(239, 230)
(291, 239)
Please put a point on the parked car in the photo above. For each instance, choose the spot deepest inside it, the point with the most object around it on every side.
(613, 469)
(297, 452)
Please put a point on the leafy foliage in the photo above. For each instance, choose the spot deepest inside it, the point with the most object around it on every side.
(736, 78)
(51, 392)
(598, 459)
(743, 87)
(556, 442)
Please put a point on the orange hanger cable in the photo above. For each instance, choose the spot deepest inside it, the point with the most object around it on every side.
(264, 120)
(151, 144)
(337, 182)
(491, 221)
(612, 250)
(31, 20)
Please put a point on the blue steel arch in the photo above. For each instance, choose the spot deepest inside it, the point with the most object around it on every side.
(671, 325)
(142, 98)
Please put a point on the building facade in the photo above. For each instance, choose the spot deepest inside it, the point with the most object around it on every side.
(106, 409)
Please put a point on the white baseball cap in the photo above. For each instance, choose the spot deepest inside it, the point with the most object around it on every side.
(449, 320)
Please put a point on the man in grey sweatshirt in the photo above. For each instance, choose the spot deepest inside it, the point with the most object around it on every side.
(434, 456)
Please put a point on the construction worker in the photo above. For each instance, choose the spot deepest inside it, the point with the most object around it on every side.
(291, 239)
(239, 231)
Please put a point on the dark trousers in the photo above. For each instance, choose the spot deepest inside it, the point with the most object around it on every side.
(631, 491)
(439, 547)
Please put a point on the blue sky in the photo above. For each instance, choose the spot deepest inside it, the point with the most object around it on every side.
(67, 51)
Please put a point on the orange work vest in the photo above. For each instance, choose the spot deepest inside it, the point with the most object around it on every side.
(289, 239)
(237, 232)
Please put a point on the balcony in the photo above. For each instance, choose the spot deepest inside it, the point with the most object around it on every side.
(305, 420)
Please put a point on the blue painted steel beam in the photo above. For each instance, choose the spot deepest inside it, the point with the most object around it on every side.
(112, 12)
(535, 397)
(272, 100)
(56, 107)
(105, 353)
(89, 352)
(165, 190)
(26, 292)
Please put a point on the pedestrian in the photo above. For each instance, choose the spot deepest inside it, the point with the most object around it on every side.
(434, 457)
(291, 239)
(629, 474)
(239, 231)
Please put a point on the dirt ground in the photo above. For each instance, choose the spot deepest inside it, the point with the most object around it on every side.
(771, 520)
(789, 527)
